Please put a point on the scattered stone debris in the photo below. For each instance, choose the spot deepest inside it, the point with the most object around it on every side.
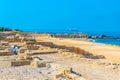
(38, 63)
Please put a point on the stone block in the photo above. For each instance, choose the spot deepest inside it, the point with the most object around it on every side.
(79, 78)
(64, 70)
(20, 62)
(32, 47)
(6, 53)
(20, 58)
(27, 57)
(98, 57)
(75, 55)
(38, 63)
(65, 54)
(2, 48)
(72, 76)
(56, 75)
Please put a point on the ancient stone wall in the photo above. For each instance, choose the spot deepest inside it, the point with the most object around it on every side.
(71, 49)
(6, 53)
(32, 47)
(13, 40)
(38, 36)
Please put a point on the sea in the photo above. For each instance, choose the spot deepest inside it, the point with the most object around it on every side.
(91, 33)
(109, 41)
(112, 41)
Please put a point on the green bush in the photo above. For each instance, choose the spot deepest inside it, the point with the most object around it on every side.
(72, 35)
(2, 29)
(94, 37)
(84, 35)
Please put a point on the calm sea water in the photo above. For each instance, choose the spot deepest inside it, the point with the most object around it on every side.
(109, 41)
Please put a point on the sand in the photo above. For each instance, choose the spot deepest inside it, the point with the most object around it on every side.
(112, 53)
(90, 69)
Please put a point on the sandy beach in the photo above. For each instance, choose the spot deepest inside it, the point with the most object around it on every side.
(112, 53)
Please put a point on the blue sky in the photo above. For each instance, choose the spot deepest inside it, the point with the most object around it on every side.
(59, 15)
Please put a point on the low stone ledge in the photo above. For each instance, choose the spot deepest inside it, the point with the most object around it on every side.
(6, 53)
(20, 62)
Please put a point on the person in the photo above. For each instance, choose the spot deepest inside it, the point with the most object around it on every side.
(14, 49)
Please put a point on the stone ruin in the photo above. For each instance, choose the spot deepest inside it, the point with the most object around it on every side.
(38, 36)
(77, 51)
(22, 58)
(5, 53)
(3, 43)
(2, 38)
(70, 49)
(59, 70)
(32, 47)
(29, 41)
(36, 62)
(20, 62)
(9, 40)
(4, 49)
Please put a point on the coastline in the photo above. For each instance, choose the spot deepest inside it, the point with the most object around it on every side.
(117, 45)
(88, 40)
